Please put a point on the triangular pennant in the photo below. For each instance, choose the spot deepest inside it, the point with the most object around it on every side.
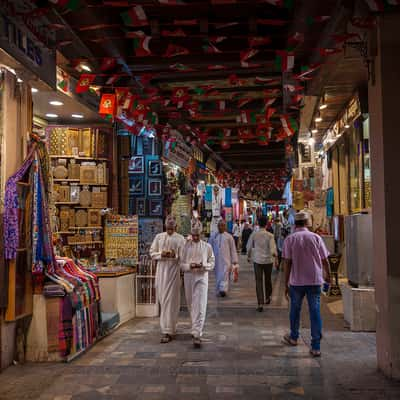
(135, 17)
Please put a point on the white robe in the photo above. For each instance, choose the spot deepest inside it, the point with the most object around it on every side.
(168, 279)
(226, 255)
(196, 282)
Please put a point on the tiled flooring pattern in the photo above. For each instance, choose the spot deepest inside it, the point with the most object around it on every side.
(242, 358)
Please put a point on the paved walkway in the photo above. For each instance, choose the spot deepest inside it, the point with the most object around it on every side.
(242, 358)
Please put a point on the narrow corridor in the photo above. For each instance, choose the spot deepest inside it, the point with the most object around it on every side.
(242, 358)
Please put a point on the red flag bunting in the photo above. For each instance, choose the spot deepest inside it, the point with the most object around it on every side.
(180, 95)
(247, 54)
(174, 50)
(272, 22)
(186, 22)
(84, 82)
(345, 37)
(216, 67)
(135, 17)
(108, 104)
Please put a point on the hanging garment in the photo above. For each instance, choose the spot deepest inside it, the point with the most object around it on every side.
(168, 279)
(226, 256)
(196, 282)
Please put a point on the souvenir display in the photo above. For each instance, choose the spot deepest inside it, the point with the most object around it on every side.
(155, 187)
(155, 168)
(85, 142)
(136, 165)
(141, 207)
(94, 218)
(60, 172)
(81, 218)
(74, 193)
(74, 170)
(88, 174)
(85, 198)
(155, 207)
(136, 185)
(99, 199)
(72, 140)
(63, 194)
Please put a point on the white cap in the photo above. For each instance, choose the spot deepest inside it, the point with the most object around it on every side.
(301, 216)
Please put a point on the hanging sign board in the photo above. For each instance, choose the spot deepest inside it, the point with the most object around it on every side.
(22, 45)
(121, 239)
(178, 153)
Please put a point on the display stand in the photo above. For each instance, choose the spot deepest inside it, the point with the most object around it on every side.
(146, 298)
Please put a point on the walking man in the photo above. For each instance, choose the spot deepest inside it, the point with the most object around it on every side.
(236, 233)
(167, 250)
(226, 257)
(197, 260)
(306, 266)
(261, 247)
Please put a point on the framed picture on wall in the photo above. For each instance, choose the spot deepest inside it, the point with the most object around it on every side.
(155, 207)
(141, 207)
(154, 168)
(154, 187)
(136, 185)
(136, 165)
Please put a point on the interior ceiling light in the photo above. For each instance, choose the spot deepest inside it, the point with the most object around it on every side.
(19, 80)
(347, 126)
(77, 116)
(318, 118)
(311, 141)
(56, 103)
(86, 67)
(323, 106)
(50, 115)
(34, 90)
(314, 131)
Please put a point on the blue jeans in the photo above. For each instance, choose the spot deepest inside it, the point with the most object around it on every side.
(313, 294)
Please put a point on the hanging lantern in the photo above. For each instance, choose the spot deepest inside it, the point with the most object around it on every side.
(107, 104)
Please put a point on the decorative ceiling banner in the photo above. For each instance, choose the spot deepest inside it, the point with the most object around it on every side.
(141, 43)
(135, 17)
(210, 48)
(292, 88)
(84, 82)
(263, 81)
(296, 39)
(306, 70)
(257, 41)
(280, 3)
(180, 95)
(284, 61)
(234, 80)
(108, 104)
(112, 79)
(247, 117)
(174, 50)
(242, 102)
(376, 5)
(289, 125)
(217, 39)
(226, 25)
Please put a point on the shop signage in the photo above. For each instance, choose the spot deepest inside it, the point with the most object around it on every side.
(197, 154)
(179, 154)
(22, 45)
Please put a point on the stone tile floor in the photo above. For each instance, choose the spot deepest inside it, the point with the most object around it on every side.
(242, 358)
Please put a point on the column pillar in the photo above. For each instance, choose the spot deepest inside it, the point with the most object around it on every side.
(384, 110)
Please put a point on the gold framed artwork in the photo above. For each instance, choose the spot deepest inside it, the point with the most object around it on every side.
(94, 218)
(88, 174)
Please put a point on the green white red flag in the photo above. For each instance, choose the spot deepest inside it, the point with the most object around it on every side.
(376, 5)
(210, 48)
(284, 60)
(135, 17)
(141, 43)
(289, 125)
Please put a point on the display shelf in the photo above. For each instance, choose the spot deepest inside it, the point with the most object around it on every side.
(81, 184)
(78, 243)
(66, 180)
(79, 228)
(65, 232)
(79, 158)
(61, 203)
(92, 208)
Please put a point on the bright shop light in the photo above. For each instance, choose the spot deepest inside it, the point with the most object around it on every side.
(56, 103)
(77, 116)
(34, 90)
(50, 115)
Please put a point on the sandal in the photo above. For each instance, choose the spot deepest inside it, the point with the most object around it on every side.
(289, 341)
(315, 353)
(166, 338)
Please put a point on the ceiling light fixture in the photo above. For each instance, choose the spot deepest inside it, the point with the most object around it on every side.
(77, 116)
(323, 106)
(347, 126)
(311, 141)
(34, 90)
(318, 118)
(314, 131)
(86, 67)
(50, 115)
(19, 80)
(56, 103)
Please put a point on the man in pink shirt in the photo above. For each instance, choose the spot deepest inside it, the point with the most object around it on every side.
(306, 267)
